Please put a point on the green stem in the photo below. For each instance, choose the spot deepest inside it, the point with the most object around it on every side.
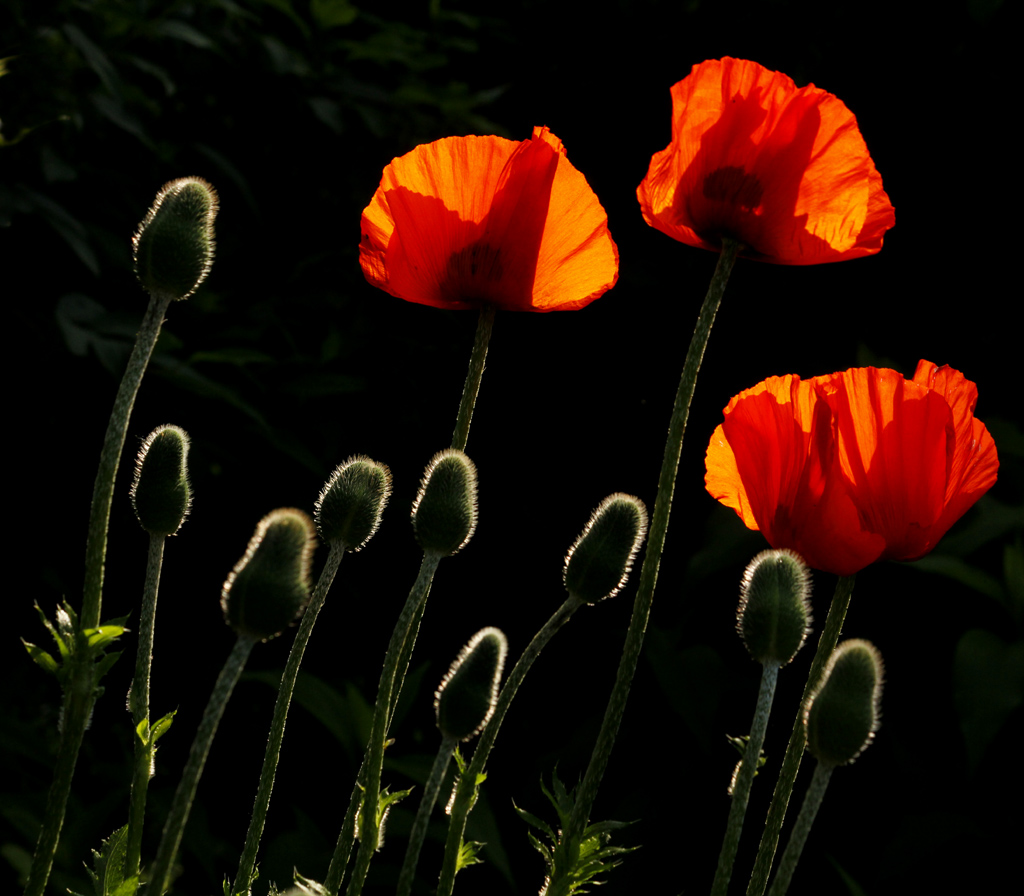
(181, 805)
(110, 457)
(465, 795)
(801, 828)
(419, 825)
(247, 862)
(744, 779)
(343, 848)
(138, 703)
(471, 389)
(386, 692)
(76, 709)
(78, 706)
(798, 739)
(655, 544)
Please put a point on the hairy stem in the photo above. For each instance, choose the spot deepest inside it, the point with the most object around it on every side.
(745, 779)
(419, 825)
(181, 805)
(798, 740)
(652, 557)
(247, 862)
(471, 389)
(138, 704)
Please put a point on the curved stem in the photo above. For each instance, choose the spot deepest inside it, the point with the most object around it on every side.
(419, 825)
(744, 779)
(798, 739)
(181, 805)
(801, 828)
(80, 696)
(110, 457)
(471, 389)
(655, 544)
(465, 794)
(247, 862)
(138, 703)
(368, 824)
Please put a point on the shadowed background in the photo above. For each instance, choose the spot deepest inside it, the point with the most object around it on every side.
(286, 362)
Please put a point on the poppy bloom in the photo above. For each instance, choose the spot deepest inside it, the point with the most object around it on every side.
(782, 170)
(853, 467)
(471, 221)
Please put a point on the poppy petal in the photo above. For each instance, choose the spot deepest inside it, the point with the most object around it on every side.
(467, 221)
(781, 169)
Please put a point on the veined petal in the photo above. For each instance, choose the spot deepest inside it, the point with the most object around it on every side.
(467, 221)
(783, 170)
(975, 462)
(894, 444)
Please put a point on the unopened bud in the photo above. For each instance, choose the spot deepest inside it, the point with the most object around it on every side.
(842, 715)
(160, 493)
(599, 561)
(444, 513)
(774, 614)
(465, 699)
(174, 243)
(349, 507)
(269, 587)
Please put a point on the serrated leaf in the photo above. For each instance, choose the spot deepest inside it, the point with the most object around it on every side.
(534, 821)
(468, 855)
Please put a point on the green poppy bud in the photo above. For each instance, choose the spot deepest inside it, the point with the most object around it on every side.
(841, 716)
(161, 493)
(269, 587)
(444, 513)
(465, 699)
(349, 507)
(174, 243)
(599, 561)
(774, 614)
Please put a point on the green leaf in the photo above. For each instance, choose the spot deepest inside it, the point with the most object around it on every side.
(41, 658)
(468, 855)
(107, 872)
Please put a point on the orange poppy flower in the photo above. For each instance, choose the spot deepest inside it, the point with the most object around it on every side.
(470, 221)
(853, 467)
(781, 169)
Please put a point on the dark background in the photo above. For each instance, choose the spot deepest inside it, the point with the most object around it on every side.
(286, 362)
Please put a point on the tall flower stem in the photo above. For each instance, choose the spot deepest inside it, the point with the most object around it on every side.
(801, 828)
(389, 685)
(110, 457)
(485, 323)
(655, 544)
(138, 703)
(465, 794)
(181, 805)
(798, 739)
(247, 862)
(744, 779)
(419, 825)
(80, 693)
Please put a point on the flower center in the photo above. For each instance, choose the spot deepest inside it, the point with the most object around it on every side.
(734, 186)
(473, 272)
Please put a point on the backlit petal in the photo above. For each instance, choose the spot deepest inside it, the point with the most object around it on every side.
(468, 221)
(783, 170)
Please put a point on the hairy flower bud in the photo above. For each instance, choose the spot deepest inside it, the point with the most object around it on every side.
(444, 513)
(599, 561)
(269, 587)
(774, 612)
(349, 508)
(174, 244)
(465, 699)
(161, 493)
(842, 715)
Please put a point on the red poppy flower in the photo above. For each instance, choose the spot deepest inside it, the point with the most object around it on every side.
(471, 221)
(853, 467)
(781, 169)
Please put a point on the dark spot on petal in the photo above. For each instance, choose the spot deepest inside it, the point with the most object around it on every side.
(734, 186)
